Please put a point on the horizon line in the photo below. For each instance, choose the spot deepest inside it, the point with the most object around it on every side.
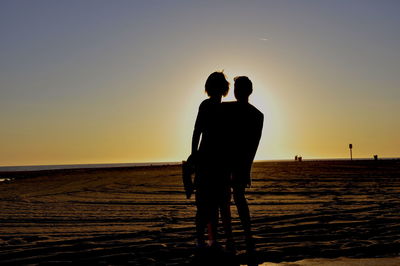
(38, 167)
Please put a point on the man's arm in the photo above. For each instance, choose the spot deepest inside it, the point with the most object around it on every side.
(258, 133)
(254, 142)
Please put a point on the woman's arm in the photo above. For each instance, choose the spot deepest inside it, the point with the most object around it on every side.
(198, 128)
(195, 140)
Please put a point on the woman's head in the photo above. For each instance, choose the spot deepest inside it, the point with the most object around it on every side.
(217, 85)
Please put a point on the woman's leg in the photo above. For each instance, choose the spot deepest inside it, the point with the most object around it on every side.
(212, 224)
(225, 209)
(201, 218)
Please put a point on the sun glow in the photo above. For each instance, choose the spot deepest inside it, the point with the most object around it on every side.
(263, 98)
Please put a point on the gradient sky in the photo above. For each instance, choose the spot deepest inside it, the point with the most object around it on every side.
(121, 81)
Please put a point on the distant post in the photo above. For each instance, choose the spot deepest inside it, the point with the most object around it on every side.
(351, 151)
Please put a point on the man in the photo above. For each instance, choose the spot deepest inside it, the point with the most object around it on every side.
(245, 124)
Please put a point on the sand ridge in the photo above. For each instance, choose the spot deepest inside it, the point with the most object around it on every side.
(140, 215)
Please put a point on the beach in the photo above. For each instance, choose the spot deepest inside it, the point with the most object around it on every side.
(302, 211)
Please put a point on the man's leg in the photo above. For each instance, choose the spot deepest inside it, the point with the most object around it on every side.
(244, 214)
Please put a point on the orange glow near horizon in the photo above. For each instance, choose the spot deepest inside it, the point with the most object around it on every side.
(156, 129)
(127, 133)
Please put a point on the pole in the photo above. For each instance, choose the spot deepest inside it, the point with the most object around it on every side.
(351, 151)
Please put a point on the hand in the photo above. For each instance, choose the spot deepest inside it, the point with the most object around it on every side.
(248, 183)
(192, 159)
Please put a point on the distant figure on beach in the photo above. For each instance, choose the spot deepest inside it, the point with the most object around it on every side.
(211, 178)
(245, 125)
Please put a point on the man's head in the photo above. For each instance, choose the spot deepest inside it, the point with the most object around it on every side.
(243, 88)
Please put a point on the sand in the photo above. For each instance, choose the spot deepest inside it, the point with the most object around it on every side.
(339, 262)
(140, 216)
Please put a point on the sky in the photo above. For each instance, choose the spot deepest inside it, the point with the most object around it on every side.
(121, 81)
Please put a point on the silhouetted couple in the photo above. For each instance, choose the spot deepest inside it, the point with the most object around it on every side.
(229, 133)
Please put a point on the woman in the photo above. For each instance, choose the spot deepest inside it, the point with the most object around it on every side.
(212, 178)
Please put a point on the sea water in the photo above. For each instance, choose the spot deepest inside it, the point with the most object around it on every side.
(77, 166)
